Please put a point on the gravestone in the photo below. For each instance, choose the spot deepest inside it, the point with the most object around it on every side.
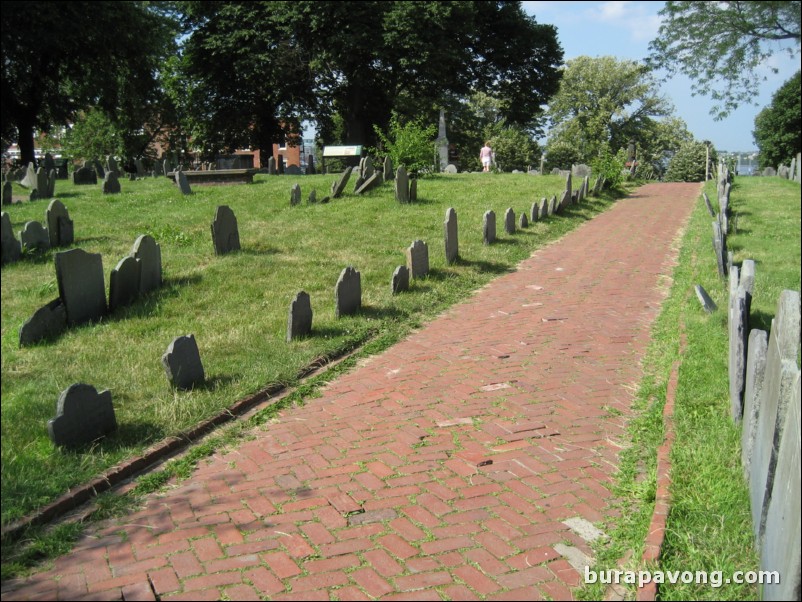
(49, 163)
(299, 320)
(348, 292)
(111, 166)
(418, 259)
(295, 195)
(111, 185)
(80, 285)
(413, 190)
(124, 282)
(140, 168)
(271, 166)
(310, 165)
(581, 170)
(374, 180)
(783, 171)
(99, 171)
(312, 198)
(719, 247)
(401, 185)
(51, 183)
(781, 544)
(568, 184)
(46, 322)
(148, 252)
(225, 234)
(34, 237)
(84, 175)
(339, 185)
(366, 169)
(451, 236)
(400, 280)
(534, 212)
(781, 370)
(489, 228)
(769, 171)
(523, 221)
(82, 416)
(753, 386)
(60, 228)
(182, 363)
(450, 168)
(707, 303)
(552, 206)
(30, 180)
(597, 186)
(10, 247)
(709, 205)
(280, 165)
(738, 332)
(388, 172)
(183, 183)
(542, 209)
(293, 170)
(8, 192)
(509, 221)
(565, 201)
(166, 167)
(42, 187)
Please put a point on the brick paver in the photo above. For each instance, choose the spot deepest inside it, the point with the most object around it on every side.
(444, 465)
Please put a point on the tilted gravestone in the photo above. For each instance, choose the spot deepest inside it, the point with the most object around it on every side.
(781, 370)
(542, 208)
(781, 543)
(10, 247)
(348, 292)
(509, 221)
(400, 280)
(46, 322)
(564, 203)
(339, 185)
(707, 303)
(738, 332)
(84, 175)
(401, 185)
(295, 195)
(82, 416)
(489, 228)
(182, 363)
(374, 180)
(451, 235)
(124, 282)
(60, 228)
(299, 320)
(552, 205)
(34, 236)
(111, 185)
(148, 252)
(418, 259)
(225, 234)
(183, 183)
(709, 205)
(523, 221)
(81, 285)
(8, 192)
(753, 385)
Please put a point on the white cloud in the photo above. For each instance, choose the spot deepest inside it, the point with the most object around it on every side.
(640, 19)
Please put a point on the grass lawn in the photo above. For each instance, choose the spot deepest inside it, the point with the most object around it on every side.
(236, 305)
(709, 524)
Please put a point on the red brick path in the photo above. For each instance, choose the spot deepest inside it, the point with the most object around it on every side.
(442, 468)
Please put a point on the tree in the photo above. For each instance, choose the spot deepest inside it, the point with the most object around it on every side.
(409, 144)
(61, 58)
(688, 164)
(350, 65)
(602, 103)
(720, 45)
(777, 127)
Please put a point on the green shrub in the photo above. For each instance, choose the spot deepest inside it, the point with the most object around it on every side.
(609, 166)
(409, 144)
(688, 164)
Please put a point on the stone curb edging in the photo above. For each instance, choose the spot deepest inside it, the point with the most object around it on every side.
(166, 448)
(653, 546)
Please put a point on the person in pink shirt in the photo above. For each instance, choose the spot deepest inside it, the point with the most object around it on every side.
(486, 156)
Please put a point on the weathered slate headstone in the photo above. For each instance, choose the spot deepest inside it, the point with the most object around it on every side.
(30, 180)
(534, 212)
(60, 228)
(140, 168)
(542, 209)
(782, 541)
(374, 180)
(42, 187)
(312, 198)
(523, 221)
(753, 386)
(707, 303)
(413, 190)
(401, 185)
(8, 192)
(295, 195)
(293, 170)
(489, 228)
(46, 322)
(783, 171)
(111, 165)
(781, 370)
(299, 320)
(348, 292)
(553, 204)
(51, 183)
(49, 163)
(166, 166)
(84, 175)
(418, 259)
(450, 232)
(366, 168)
(95, 164)
(597, 186)
(271, 166)
(124, 283)
(10, 247)
(182, 363)
(280, 165)
(148, 252)
(738, 332)
(310, 165)
(82, 415)
(80, 285)
(34, 236)
(389, 174)
(225, 234)
(509, 221)
(565, 201)
(111, 185)
(400, 280)
(339, 185)
(183, 183)
(719, 247)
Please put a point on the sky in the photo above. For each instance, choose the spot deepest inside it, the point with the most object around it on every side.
(624, 30)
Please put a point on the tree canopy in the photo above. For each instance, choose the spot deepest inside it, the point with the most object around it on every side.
(254, 68)
(61, 58)
(778, 127)
(720, 45)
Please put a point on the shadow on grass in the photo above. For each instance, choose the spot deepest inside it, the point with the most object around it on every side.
(382, 313)
(490, 267)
